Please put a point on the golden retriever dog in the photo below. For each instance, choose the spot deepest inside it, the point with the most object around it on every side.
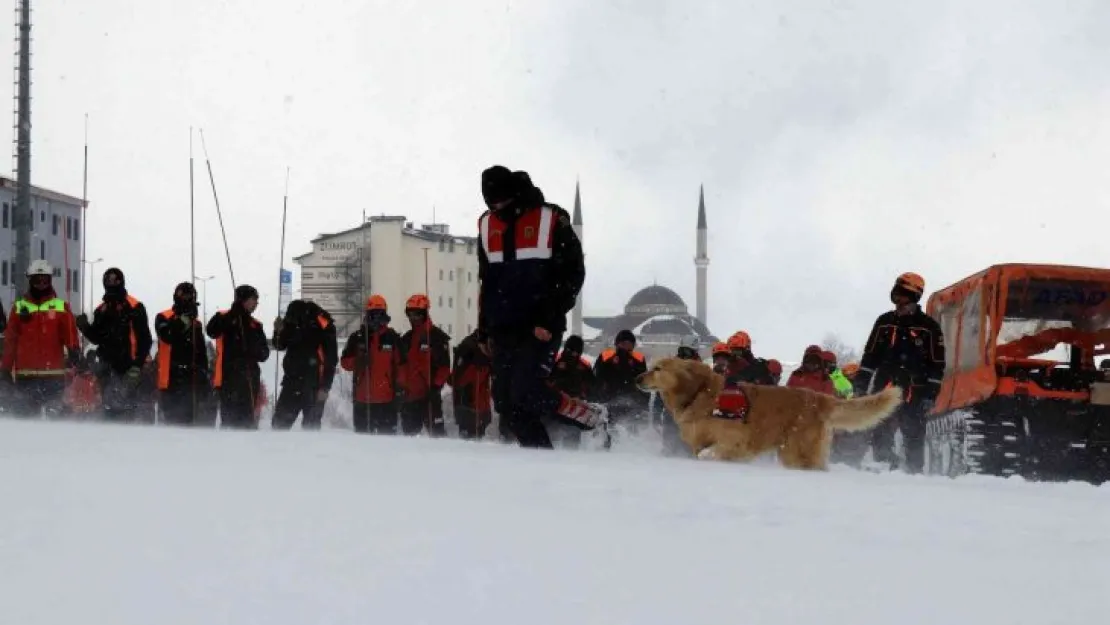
(797, 423)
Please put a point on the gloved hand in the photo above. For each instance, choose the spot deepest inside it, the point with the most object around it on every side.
(82, 321)
(74, 359)
(133, 376)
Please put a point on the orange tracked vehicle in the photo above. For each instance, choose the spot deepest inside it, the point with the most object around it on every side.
(1022, 394)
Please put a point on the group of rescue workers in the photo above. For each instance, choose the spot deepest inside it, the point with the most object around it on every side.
(531, 268)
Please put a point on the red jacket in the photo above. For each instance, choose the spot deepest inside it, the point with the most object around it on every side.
(818, 381)
(425, 360)
(376, 382)
(36, 347)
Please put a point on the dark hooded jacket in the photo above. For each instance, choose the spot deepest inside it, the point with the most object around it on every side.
(181, 350)
(308, 338)
(240, 344)
(120, 328)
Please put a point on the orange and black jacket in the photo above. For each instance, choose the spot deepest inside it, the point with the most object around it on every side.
(311, 349)
(471, 377)
(182, 354)
(904, 350)
(751, 370)
(615, 372)
(240, 345)
(121, 332)
(530, 268)
(425, 360)
(573, 376)
(375, 359)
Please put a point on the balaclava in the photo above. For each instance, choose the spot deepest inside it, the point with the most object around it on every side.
(182, 307)
(243, 292)
(498, 184)
(117, 292)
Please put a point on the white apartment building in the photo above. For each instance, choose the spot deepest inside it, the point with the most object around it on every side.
(55, 237)
(389, 256)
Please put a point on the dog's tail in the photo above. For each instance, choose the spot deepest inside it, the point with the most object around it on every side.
(861, 413)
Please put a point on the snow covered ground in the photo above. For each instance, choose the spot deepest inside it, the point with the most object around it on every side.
(127, 525)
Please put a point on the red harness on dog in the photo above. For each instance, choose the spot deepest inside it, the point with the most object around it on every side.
(732, 404)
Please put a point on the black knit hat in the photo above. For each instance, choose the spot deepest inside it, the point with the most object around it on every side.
(118, 274)
(574, 343)
(625, 335)
(498, 184)
(244, 292)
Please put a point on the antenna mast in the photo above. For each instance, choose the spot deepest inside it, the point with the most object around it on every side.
(23, 215)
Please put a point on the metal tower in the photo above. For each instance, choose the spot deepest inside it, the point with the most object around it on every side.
(23, 214)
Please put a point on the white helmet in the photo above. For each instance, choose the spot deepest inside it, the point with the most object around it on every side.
(40, 268)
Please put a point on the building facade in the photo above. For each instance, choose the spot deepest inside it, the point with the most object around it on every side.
(387, 255)
(56, 232)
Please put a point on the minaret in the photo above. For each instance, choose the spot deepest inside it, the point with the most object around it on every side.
(701, 261)
(576, 223)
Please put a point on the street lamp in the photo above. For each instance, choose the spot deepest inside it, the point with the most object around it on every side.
(204, 294)
(91, 264)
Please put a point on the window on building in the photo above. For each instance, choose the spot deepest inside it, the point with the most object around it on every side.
(6, 209)
(69, 227)
(448, 328)
(468, 303)
(450, 302)
(451, 275)
(4, 267)
(76, 228)
(441, 245)
(54, 224)
(57, 272)
(440, 274)
(75, 281)
(42, 250)
(42, 216)
(469, 277)
(451, 246)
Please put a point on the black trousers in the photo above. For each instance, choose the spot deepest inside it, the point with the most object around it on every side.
(237, 406)
(424, 412)
(297, 397)
(521, 395)
(472, 423)
(177, 402)
(910, 418)
(32, 396)
(374, 418)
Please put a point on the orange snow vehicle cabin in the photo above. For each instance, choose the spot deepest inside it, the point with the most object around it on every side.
(1022, 394)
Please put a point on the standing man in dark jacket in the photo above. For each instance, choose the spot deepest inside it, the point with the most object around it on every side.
(905, 349)
(183, 378)
(530, 270)
(307, 332)
(240, 346)
(121, 331)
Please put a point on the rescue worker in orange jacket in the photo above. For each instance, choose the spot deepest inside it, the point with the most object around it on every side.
(373, 353)
(905, 349)
(722, 358)
(307, 334)
(425, 368)
(530, 270)
(184, 385)
(240, 346)
(812, 374)
(471, 396)
(120, 329)
(744, 366)
(574, 376)
(40, 344)
(616, 370)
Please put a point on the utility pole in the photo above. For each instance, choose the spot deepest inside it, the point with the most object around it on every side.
(23, 214)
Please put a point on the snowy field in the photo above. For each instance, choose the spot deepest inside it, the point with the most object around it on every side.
(123, 525)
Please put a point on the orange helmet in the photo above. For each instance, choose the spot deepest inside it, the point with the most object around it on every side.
(721, 349)
(911, 282)
(774, 367)
(376, 302)
(850, 370)
(419, 302)
(740, 340)
(828, 357)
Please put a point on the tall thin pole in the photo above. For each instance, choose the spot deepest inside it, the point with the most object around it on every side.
(84, 210)
(281, 272)
(219, 213)
(23, 212)
(428, 329)
(197, 345)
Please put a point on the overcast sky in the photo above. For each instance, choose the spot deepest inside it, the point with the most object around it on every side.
(840, 143)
